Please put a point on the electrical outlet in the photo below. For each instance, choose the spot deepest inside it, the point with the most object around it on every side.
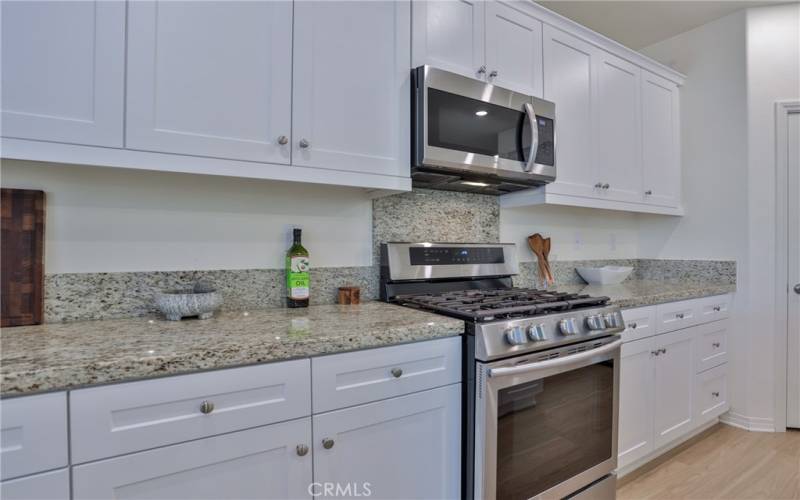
(577, 242)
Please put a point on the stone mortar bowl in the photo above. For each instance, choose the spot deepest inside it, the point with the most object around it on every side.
(177, 304)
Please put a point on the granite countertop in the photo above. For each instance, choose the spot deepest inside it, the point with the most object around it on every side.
(638, 293)
(59, 356)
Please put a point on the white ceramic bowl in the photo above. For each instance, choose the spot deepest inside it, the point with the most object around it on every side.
(607, 275)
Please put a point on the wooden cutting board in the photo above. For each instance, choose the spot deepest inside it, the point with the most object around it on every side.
(22, 257)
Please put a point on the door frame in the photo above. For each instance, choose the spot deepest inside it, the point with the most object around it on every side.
(782, 111)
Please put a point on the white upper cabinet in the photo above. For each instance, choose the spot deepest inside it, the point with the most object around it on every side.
(449, 34)
(618, 125)
(63, 71)
(210, 78)
(568, 82)
(351, 100)
(513, 49)
(660, 141)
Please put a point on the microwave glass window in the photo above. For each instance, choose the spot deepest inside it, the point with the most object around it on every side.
(545, 154)
(473, 126)
(553, 428)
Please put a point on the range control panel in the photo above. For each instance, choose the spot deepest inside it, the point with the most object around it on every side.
(432, 256)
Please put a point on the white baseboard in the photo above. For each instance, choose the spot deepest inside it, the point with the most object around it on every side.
(755, 424)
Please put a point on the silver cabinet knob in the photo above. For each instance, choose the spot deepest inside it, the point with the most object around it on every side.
(655, 353)
(663, 350)
(327, 443)
(606, 185)
(716, 345)
(283, 140)
(515, 336)
(304, 143)
(715, 394)
(493, 74)
(717, 308)
(568, 326)
(797, 289)
(302, 450)
(648, 192)
(633, 326)
(680, 315)
(206, 407)
(397, 372)
(482, 70)
(599, 185)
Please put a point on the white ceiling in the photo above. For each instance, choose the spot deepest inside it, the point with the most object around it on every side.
(638, 24)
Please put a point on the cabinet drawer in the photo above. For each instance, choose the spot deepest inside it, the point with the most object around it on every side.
(711, 345)
(52, 485)
(33, 434)
(713, 308)
(676, 315)
(639, 323)
(711, 394)
(353, 378)
(117, 419)
(261, 463)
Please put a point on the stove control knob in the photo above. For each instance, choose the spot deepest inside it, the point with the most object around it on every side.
(596, 322)
(614, 320)
(568, 326)
(537, 333)
(516, 336)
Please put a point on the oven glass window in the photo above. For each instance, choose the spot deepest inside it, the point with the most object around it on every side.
(473, 126)
(553, 428)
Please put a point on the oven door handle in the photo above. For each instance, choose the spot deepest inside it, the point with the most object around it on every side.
(530, 113)
(552, 363)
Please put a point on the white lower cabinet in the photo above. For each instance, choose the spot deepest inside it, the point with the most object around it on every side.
(711, 394)
(637, 381)
(674, 377)
(53, 485)
(264, 463)
(405, 447)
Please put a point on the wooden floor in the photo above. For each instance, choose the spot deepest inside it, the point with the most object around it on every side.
(725, 462)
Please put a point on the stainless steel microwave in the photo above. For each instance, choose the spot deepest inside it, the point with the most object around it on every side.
(469, 135)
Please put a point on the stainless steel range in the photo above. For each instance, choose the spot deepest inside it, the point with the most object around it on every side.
(541, 370)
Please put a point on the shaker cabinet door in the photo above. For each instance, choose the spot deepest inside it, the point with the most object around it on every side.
(63, 71)
(618, 126)
(568, 82)
(637, 373)
(262, 463)
(513, 49)
(351, 86)
(673, 387)
(210, 78)
(402, 448)
(660, 141)
(449, 35)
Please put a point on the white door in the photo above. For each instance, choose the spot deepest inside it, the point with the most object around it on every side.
(513, 49)
(793, 364)
(405, 447)
(351, 104)
(637, 383)
(210, 78)
(661, 161)
(617, 122)
(448, 34)
(568, 82)
(63, 71)
(674, 378)
(260, 463)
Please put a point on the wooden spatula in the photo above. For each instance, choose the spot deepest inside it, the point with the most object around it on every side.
(550, 278)
(536, 242)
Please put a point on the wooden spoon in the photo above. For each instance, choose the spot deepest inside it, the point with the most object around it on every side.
(536, 242)
(550, 278)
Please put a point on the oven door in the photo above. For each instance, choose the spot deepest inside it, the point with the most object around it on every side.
(468, 126)
(546, 424)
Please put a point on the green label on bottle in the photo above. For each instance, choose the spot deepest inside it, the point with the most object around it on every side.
(297, 277)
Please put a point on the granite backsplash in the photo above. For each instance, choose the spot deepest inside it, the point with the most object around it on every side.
(420, 215)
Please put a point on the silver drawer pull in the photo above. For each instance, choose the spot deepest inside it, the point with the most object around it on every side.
(633, 326)
(717, 308)
(680, 315)
(397, 372)
(715, 394)
(302, 450)
(206, 407)
(663, 350)
(655, 353)
(327, 443)
(715, 345)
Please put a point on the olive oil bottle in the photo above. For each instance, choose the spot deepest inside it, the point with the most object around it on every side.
(297, 277)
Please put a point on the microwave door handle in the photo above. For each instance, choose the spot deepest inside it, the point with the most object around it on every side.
(552, 363)
(530, 113)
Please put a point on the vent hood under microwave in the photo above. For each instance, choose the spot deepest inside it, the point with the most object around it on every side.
(469, 135)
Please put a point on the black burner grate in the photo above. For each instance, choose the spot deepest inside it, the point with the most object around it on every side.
(485, 305)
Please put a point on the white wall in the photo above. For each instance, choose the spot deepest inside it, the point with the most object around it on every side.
(577, 233)
(110, 220)
(736, 67)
